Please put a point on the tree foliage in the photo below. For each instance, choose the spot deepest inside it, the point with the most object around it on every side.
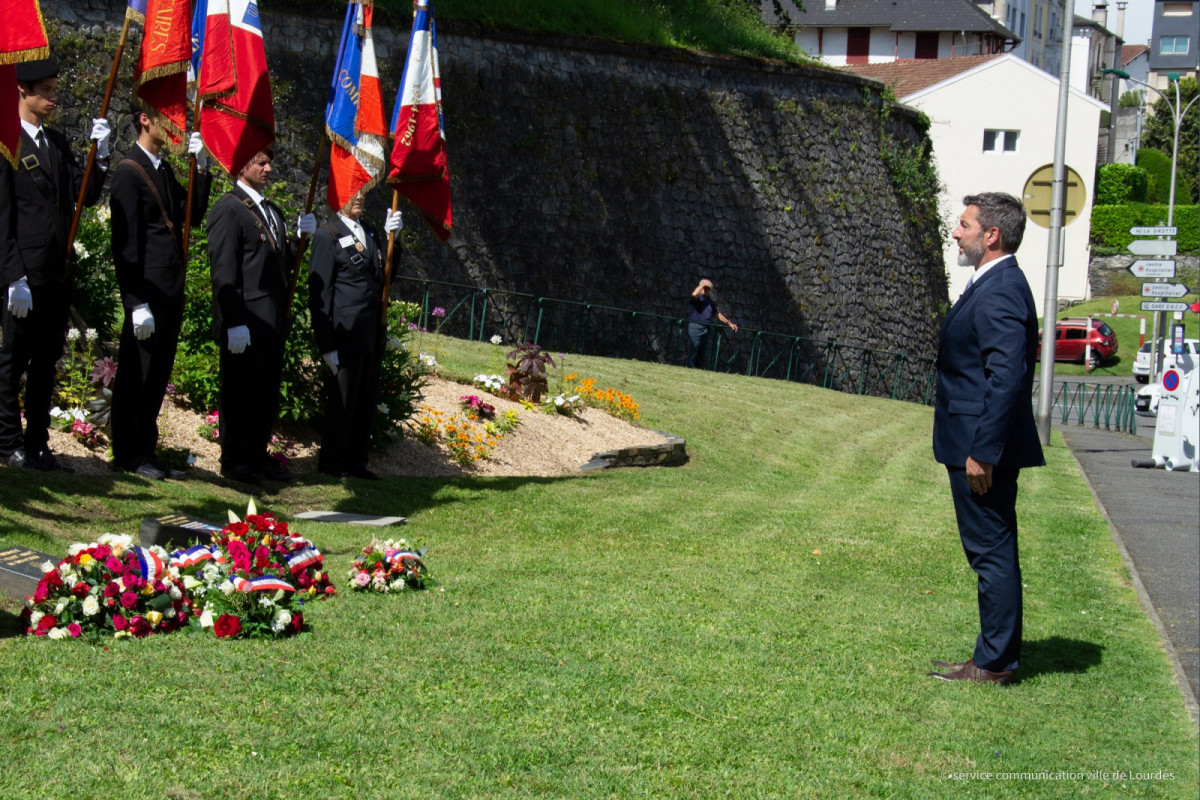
(1160, 135)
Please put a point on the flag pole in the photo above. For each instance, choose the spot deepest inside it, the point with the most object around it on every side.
(387, 269)
(187, 214)
(91, 159)
(303, 243)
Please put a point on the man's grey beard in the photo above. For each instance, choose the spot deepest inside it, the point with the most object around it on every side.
(970, 256)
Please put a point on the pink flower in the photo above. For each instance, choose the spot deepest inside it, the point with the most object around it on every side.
(362, 579)
(212, 417)
(114, 564)
(105, 371)
(74, 629)
(119, 622)
(112, 589)
(240, 555)
(140, 627)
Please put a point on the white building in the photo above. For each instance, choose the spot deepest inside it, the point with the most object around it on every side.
(992, 127)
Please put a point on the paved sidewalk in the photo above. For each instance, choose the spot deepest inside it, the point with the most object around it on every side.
(1153, 514)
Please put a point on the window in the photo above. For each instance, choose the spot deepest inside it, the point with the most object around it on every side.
(1173, 45)
(1000, 141)
(927, 44)
(1177, 9)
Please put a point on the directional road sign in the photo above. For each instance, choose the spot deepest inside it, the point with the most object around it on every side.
(1153, 305)
(1153, 247)
(1153, 268)
(1164, 290)
(1160, 230)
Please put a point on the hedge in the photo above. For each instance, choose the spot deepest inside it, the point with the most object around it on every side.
(1120, 183)
(1111, 224)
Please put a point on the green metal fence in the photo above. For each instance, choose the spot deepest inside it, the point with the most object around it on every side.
(594, 329)
(1107, 405)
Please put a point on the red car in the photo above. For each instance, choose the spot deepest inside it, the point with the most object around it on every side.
(1072, 337)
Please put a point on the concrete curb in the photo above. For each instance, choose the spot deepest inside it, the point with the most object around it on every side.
(672, 453)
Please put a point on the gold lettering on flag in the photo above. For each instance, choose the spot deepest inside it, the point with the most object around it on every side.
(158, 31)
(407, 138)
(347, 85)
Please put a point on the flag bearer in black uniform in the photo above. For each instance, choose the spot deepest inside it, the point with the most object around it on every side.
(35, 269)
(345, 285)
(148, 210)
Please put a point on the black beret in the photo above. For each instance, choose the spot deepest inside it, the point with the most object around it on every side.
(34, 71)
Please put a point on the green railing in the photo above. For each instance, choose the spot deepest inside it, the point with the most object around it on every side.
(1106, 405)
(594, 329)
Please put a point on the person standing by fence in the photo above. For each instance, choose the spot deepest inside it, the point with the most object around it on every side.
(701, 310)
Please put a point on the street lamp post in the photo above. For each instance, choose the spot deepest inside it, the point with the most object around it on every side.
(1178, 115)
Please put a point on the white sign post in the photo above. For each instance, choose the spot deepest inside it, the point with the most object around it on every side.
(1153, 268)
(1164, 290)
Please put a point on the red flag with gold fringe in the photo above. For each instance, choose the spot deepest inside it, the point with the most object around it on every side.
(160, 77)
(22, 38)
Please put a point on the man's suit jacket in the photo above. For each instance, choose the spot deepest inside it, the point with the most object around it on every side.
(987, 354)
(251, 270)
(149, 257)
(44, 188)
(344, 288)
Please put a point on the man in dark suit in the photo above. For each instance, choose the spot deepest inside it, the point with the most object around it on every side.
(36, 268)
(345, 287)
(983, 426)
(148, 210)
(251, 266)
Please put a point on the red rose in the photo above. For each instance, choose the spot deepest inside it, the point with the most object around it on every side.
(130, 580)
(140, 627)
(44, 625)
(114, 564)
(262, 557)
(129, 599)
(296, 624)
(119, 622)
(227, 625)
(74, 629)
(41, 592)
(100, 552)
(240, 556)
(112, 589)
(81, 589)
(53, 579)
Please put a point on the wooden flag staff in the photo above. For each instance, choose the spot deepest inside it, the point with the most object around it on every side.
(91, 159)
(387, 269)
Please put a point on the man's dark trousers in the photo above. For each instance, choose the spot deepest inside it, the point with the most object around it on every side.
(138, 393)
(987, 525)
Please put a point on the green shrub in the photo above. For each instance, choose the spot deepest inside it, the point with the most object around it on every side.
(94, 292)
(1111, 224)
(1158, 171)
(1120, 183)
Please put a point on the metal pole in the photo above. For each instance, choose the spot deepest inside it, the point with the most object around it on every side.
(1053, 249)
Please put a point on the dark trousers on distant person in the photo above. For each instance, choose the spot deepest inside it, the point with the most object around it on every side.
(349, 413)
(250, 386)
(698, 353)
(31, 347)
(987, 525)
(143, 370)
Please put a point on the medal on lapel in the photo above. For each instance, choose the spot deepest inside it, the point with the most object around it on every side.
(359, 246)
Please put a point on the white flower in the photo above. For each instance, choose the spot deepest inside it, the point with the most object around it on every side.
(80, 250)
(57, 633)
(174, 592)
(394, 343)
(190, 583)
(169, 613)
(35, 617)
(48, 566)
(81, 415)
(206, 617)
(119, 542)
(122, 634)
(558, 401)
(427, 359)
(265, 602)
(70, 580)
(76, 549)
(496, 339)
(62, 604)
(281, 620)
(382, 408)
(56, 412)
(91, 606)
(397, 585)
(103, 213)
(91, 334)
(211, 572)
(64, 568)
(73, 334)
(226, 587)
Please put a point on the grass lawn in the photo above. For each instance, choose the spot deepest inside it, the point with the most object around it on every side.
(757, 623)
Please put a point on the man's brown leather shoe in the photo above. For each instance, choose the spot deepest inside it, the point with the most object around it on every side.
(951, 666)
(970, 672)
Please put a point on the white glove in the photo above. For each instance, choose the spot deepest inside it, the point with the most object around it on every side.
(306, 224)
(239, 339)
(392, 222)
(100, 134)
(143, 321)
(331, 358)
(20, 299)
(196, 148)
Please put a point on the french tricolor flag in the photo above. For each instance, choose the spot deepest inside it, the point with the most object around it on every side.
(303, 558)
(263, 583)
(354, 118)
(419, 170)
(150, 564)
(237, 115)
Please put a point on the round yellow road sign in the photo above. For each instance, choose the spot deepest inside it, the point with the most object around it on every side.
(1039, 194)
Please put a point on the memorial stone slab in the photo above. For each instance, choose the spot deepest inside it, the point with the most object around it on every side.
(352, 519)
